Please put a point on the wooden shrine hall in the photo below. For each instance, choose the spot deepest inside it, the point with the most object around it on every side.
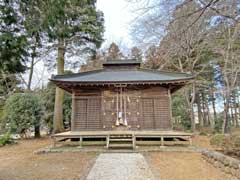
(121, 102)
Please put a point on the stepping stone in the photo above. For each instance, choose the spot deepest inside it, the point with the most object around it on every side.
(120, 166)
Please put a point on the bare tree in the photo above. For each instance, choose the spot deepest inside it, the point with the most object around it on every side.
(226, 45)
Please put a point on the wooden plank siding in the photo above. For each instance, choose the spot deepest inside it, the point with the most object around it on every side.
(148, 109)
(87, 113)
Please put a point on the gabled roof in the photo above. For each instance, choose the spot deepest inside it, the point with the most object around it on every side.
(122, 76)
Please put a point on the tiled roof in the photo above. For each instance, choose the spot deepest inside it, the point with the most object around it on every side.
(121, 76)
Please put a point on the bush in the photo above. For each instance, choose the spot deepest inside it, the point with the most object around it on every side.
(23, 112)
(5, 139)
(217, 140)
(48, 97)
(231, 142)
(203, 133)
(227, 143)
(180, 112)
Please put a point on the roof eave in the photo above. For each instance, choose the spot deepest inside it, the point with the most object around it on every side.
(126, 82)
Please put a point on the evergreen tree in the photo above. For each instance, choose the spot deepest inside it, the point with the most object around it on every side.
(114, 52)
(73, 23)
(12, 40)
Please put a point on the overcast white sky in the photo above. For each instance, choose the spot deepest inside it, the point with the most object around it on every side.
(117, 15)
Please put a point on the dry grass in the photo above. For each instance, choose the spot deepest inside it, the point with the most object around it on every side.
(182, 166)
(19, 162)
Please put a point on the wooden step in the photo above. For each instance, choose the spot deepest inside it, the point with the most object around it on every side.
(120, 140)
(120, 146)
(111, 136)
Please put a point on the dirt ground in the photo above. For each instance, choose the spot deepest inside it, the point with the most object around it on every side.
(202, 141)
(182, 166)
(18, 162)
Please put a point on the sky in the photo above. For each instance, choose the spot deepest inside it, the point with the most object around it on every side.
(117, 15)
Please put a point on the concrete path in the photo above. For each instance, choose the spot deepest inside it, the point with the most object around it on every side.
(120, 166)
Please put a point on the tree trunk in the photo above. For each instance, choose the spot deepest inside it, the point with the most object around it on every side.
(37, 131)
(213, 105)
(33, 55)
(238, 100)
(235, 108)
(205, 121)
(231, 105)
(193, 125)
(30, 75)
(200, 119)
(58, 107)
(225, 118)
(210, 119)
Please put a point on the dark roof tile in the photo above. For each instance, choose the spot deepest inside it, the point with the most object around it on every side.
(141, 75)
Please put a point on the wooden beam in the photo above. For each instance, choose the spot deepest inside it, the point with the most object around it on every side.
(73, 110)
(170, 106)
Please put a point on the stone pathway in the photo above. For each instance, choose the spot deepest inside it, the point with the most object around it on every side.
(120, 166)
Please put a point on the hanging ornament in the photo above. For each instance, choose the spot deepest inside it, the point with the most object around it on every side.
(125, 122)
(117, 122)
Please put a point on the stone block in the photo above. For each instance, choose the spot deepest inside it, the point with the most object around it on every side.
(226, 162)
(235, 163)
(227, 170)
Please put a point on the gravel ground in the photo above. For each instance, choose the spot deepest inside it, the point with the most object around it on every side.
(120, 166)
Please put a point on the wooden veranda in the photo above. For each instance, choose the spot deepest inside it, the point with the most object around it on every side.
(119, 136)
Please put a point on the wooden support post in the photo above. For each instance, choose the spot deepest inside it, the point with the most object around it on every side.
(170, 106)
(107, 143)
(190, 141)
(134, 141)
(54, 142)
(73, 110)
(81, 141)
(162, 141)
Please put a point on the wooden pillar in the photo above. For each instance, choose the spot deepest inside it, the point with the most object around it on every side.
(162, 141)
(107, 143)
(54, 141)
(73, 110)
(190, 140)
(170, 106)
(134, 141)
(81, 141)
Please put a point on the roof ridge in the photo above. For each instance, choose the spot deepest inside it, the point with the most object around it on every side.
(163, 71)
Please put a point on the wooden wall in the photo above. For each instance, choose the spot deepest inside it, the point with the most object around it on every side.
(146, 108)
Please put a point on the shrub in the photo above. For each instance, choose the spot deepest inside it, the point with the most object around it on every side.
(180, 112)
(5, 139)
(217, 140)
(203, 133)
(232, 142)
(48, 97)
(23, 111)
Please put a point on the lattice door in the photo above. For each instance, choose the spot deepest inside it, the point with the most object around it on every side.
(80, 117)
(87, 113)
(162, 113)
(94, 113)
(148, 113)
